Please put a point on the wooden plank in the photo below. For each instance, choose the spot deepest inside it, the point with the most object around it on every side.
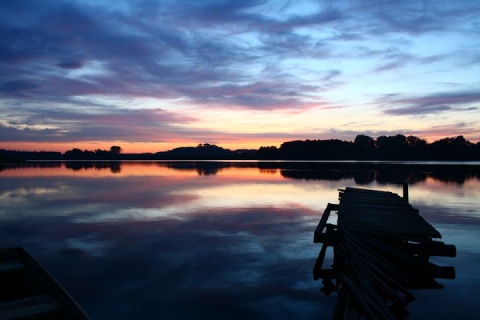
(390, 227)
(377, 204)
(317, 268)
(434, 248)
(381, 211)
(319, 234)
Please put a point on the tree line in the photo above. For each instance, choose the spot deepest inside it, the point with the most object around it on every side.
(75, 154)
(397, 147)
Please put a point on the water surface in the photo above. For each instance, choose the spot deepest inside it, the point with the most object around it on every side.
(217, 240)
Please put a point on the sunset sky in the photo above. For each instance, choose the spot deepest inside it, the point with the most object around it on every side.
(153, 75)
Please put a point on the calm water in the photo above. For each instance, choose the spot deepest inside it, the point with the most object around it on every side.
(220, 240)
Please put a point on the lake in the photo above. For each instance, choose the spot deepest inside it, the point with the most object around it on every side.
(221, 240)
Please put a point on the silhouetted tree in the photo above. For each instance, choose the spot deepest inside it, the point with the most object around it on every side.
(22, 156)
(75, 153)
(414, 142)
(457, 148)
(364, 141)
(115, 150)
(396, 147)
(268, 152)
(317, 149)
(392, 147)
(417, 148)
(364, 147)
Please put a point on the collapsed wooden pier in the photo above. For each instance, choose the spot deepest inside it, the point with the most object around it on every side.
(381, 249)
(27, 291)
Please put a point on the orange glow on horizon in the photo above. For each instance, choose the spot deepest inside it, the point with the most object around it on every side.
(134, 147)
(154, 147)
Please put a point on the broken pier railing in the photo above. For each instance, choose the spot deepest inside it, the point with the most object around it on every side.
(381, 249)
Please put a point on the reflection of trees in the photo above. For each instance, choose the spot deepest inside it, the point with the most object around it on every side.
(361, 172)
(364, 177)
(384, 174)
(333, 175)
(23, 165)
(269, 171)
(114, 166)
(202, 168)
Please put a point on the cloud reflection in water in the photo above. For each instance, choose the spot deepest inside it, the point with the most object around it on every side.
(153, 242)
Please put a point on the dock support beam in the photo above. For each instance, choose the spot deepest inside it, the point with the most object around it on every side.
(405, 191)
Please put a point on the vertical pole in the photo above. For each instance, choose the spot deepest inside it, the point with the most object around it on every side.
(405, 191)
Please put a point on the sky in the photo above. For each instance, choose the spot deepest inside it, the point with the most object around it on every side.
(154, 75)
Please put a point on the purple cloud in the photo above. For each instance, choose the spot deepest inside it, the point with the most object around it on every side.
(418, 110)
(18, 86)
(158, 58)
(78, 125)
(250, 54)
(432, 104)
(72, 65)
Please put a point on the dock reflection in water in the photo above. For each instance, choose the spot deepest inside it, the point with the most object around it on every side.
(219, 240)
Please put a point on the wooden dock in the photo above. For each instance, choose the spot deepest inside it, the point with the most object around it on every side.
(27, 291)
(381, 249)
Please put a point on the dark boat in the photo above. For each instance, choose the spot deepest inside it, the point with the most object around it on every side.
(27, 291)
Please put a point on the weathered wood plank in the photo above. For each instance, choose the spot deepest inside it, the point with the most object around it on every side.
(319, 234)
(317, 268)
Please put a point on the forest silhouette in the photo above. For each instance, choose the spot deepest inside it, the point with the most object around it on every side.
(398, 147)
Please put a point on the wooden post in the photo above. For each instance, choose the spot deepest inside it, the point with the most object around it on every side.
(405, 191)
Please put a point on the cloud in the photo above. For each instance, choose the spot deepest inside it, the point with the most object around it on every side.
(437, 132)
(18, 86)
(255, 55)
(418, 110)
(432, 104)
(109, 222)
(77, 125)
(257, 95)
(412, 17)
(70, 65)
(254, 259)
(151, 59)
(331, 74)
